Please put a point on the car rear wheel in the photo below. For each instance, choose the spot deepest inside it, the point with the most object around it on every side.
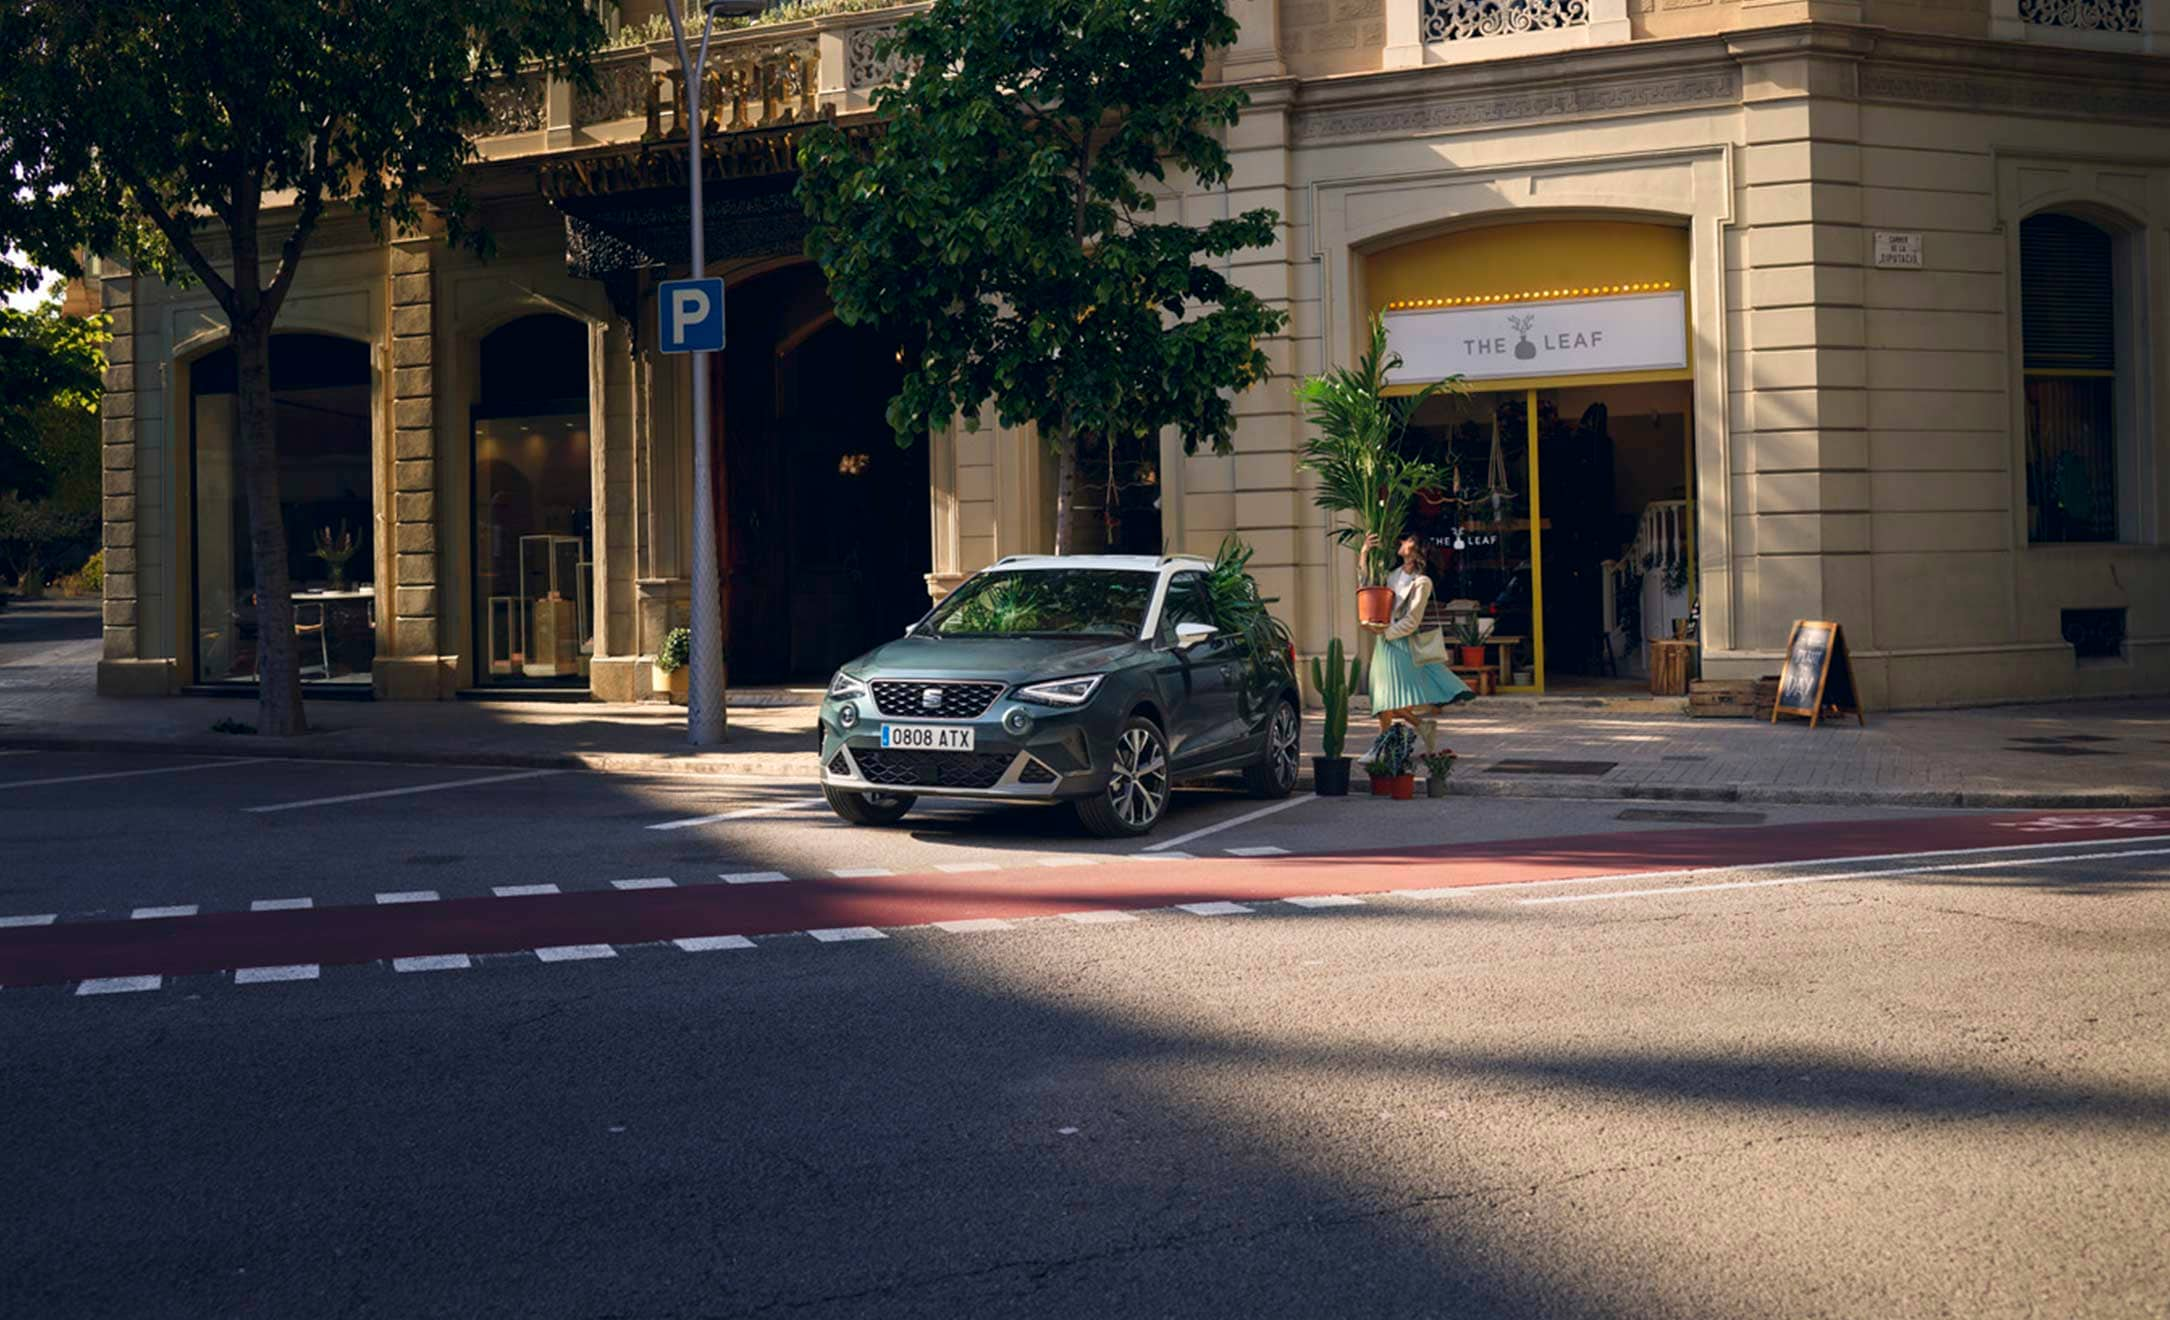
(868, 808)
(1274, 774)
(1137, 791)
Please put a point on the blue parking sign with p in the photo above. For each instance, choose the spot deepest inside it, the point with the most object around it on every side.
(691, 312)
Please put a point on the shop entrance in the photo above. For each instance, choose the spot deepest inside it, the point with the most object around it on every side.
(829, 527)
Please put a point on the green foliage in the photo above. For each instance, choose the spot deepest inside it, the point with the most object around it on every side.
(1392, 753)
(1334, 683)
(1003, 223)
(1080, 602)
(1239, 610)
(1439, 764)
(658, 26)
(1357, 453)
(35, 533)
(50, 368)
(1468, 631)
(1008, 605)
(676, 652)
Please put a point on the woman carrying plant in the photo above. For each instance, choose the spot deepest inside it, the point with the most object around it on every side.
(1405, 684)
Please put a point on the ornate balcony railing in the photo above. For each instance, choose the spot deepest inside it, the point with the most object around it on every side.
(2085, 15)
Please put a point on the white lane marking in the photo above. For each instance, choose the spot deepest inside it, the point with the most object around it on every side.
(1104, 917)
(281, 904)
(119, 985)
(131, 774)
(1212, 909)
(17, 751)
(1263, 850)
(1848, 875)
(1155, 857)
(575, 952)
(709, 943)
(152, 913)
(1070, 861)
(1328, 901)
(404, 792)
(523, 891)
(261, 975)
(744, 813)
(40, 919)
(652, 882)
(975, 925)
(434, 962)
(839, 934)
(861, 872)
(409, 896)
(1244, 819)
(756, 878)
(959, 868)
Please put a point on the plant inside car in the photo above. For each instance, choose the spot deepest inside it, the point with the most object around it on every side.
(1367, 480)
(1335, 678)
(1097, 682)
(1391, 760)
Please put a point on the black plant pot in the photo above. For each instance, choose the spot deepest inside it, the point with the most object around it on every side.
(1330, 776)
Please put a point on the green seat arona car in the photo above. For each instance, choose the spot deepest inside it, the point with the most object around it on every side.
(1099, 681)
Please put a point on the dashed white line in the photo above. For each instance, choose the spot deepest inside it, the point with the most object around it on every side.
(435, 962)
(38, 919)
(439, 787)
(575, 952)
(154, 913)
(1262, 850)
(1101, 917)
(756, 878)
(1216, 909)
(710, 943)
(1155, 857)
(745, 813)
(1445, 891)
(974, 925)
(262, 975)
(861, 872)
(523, 891)
(959, 868)
(1229, 824)
(1070, 861)
(651, 882)
(281, 904)
(409, 896)
(131, 774)
(1328, 901)
(119, 985)
(841, 934)
(1845, 875)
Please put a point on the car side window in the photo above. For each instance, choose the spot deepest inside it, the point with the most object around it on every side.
(1187, 603)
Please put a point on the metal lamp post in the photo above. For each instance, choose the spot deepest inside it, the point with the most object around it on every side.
(704, 704)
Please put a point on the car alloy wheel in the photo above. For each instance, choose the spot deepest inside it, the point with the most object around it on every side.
(1138, 781)
(1287, 739)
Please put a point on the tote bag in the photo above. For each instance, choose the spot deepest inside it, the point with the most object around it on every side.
(1428, 647)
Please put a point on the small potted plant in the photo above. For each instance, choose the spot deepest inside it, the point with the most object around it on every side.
(671, 674)
(1333, 679)
(1437, 766)
(1471, 636)
(335, 551)
(1390, 763)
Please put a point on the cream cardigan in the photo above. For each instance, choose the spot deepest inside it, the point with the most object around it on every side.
(1412, 593)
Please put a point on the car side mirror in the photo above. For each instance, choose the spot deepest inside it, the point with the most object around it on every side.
(1188, 635)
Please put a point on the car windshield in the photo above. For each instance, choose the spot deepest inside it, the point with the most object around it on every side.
(1046, 602)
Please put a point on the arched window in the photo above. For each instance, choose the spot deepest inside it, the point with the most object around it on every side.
(2070, 274)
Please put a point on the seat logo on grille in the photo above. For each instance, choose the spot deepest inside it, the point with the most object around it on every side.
(930, 698)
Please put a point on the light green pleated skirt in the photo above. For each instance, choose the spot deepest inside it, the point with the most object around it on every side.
(1399, 682)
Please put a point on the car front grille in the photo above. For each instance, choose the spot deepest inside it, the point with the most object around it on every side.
(932, 769)
(904, 700)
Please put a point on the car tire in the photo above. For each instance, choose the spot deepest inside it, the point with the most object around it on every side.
(1136, 794)
(868, 808)
(1274, 774)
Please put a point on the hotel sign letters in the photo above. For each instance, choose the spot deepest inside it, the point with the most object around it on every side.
(1562, 337)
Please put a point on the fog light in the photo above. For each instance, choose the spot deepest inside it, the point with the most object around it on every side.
(1017, 722)
(847, 715)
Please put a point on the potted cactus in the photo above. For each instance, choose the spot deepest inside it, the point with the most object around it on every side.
(1334, 680)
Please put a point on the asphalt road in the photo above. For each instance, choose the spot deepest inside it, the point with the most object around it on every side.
(1870, 1085)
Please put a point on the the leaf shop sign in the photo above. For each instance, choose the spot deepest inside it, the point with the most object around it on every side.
(1558, 337)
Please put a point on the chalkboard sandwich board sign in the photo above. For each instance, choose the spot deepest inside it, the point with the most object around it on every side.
(1818, 679)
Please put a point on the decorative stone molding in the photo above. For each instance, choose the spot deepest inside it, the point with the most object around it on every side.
(1464, 20)
(623, 91)
(2084, 15)
(516, 106)
(864, 67)
(2032, 96)
(1449, 113)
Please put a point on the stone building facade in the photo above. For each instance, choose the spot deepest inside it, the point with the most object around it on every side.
(1832, 309)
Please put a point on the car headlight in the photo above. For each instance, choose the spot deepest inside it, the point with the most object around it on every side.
(1061, 691)
(844, 687)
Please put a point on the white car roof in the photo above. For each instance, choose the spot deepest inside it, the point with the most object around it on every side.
(1125, 563)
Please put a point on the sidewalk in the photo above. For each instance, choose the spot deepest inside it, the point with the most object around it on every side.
(2077, 755)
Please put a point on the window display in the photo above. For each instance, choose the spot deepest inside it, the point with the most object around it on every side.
(534, 529)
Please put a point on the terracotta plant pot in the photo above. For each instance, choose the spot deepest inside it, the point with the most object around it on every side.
(1402, 787)
(1381, 786)
(1330, 776)
(1472, 656)
(1374, 604)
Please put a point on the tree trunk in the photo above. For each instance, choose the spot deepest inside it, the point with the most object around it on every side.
(1080, 514)
(278, 701)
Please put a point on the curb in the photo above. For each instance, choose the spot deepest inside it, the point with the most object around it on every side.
(806, 766)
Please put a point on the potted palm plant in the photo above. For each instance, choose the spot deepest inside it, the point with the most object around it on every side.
(1334, 680)
(1365, 479)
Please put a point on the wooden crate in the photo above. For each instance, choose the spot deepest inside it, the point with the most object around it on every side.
(1722, 698)
(1669, 668)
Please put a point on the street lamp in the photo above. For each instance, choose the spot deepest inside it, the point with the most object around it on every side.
(704, 702)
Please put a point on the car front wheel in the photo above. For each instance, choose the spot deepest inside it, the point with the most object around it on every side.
(1137, 791)
(1274, 773)
(868, 808)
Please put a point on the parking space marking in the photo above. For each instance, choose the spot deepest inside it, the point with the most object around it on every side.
(435, 962)
(409, 896)
(1244, 819)
(404, 792)
(861, 872)
(132, 774)
(265, 975)
(961, 868)
(1842, 875)
(1215, 909)
(523, 891)
(1264, 850)
(281, 904)
(119, 985)
(1328, 901)
(154, 913)
(575, 952)
(744, 813)
(15, 751)
(36, 919)
(1101, 917)
(841, 934)
(756, 878)
(974, 925)
(710, 943)
(652, 882)
(1070, 859)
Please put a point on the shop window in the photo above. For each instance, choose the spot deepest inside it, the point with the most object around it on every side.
(321, 425)
(2070, 272)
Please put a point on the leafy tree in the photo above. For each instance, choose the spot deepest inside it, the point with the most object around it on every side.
(31, 531)
(1003, 226)
(50, 364)
(205, 141)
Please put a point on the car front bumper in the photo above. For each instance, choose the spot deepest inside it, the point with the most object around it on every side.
(1052, 757)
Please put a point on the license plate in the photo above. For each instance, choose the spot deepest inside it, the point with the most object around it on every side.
(927, 737)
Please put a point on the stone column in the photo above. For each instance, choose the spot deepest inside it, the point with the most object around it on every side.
(123, 671)
(411, 664)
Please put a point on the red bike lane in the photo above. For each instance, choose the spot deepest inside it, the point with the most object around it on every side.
(332, 936)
